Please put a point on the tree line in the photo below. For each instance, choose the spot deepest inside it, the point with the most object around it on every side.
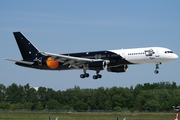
(152, 97)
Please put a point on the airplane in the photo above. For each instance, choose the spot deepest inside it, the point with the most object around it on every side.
(116, 61)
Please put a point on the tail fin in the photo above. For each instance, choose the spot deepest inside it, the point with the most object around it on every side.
(27, 49)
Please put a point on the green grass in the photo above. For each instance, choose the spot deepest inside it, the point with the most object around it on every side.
(84, 116)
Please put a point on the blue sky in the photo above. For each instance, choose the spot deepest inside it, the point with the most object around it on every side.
(77, 26)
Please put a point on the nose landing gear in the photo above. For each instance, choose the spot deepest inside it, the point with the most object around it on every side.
(157, 67)
(156, 71)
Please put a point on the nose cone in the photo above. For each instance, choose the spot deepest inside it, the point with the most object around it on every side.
(175, 57)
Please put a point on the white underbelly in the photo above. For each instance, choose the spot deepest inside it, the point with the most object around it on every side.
(143, 60)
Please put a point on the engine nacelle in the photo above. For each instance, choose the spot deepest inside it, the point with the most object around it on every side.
(119, 69)
(98, 65)
(48, 61)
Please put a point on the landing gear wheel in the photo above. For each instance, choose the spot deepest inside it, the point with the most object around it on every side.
(95, 77)
(157, 67)
(99, 76)
(86, 75)
(156, 71)
(82, 76)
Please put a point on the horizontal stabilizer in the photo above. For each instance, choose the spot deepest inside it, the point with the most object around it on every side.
(19, 61)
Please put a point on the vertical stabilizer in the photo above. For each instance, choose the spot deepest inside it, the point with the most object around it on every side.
(27, 49)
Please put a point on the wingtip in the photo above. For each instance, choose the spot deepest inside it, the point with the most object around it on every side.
(5, 58)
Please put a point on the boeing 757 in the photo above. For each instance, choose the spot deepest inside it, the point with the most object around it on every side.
(111, 60)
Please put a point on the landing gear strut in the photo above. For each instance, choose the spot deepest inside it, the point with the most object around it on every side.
(97, 75)
(157, 67)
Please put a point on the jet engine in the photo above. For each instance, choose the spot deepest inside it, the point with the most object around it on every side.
(48, 61)
(119, 69)
(98, 65)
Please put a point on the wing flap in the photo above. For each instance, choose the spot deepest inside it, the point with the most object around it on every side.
(60, 58)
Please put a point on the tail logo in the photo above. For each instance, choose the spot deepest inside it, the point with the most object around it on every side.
(51, 63)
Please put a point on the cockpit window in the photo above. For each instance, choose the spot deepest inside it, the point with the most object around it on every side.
(168, 52)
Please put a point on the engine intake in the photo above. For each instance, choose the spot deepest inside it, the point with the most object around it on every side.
(119, 69)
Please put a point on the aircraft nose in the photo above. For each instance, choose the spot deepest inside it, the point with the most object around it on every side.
(175, 56)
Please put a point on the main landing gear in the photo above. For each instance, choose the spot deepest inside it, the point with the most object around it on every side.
(84, 75)
(94, 76)
(97, 75)
(157, 67)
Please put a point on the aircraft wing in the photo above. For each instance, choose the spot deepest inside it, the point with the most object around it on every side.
(19, 61)
(65, 59)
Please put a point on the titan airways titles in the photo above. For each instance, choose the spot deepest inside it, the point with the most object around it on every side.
(113, 60)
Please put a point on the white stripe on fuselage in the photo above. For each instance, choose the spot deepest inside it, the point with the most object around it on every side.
(146, 55)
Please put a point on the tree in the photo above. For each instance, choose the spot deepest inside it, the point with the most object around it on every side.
(116, 100)
(142, 98)
(100, 98)
(42, 96)
(16, 106)
(2, 92)
(152, 105)
(80, 106)
(30, 94)
(108, 105)
(39, 107)
(14, 94)
(4, 105)
(117, 108)
(67, 107)
(156, 96)
(28, 105)
(53, 104)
